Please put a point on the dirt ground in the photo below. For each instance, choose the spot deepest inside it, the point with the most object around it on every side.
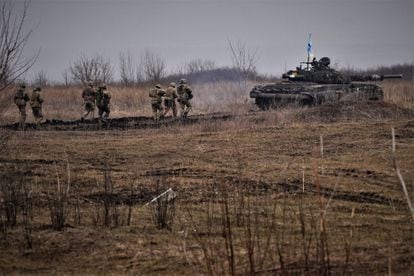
(284, 172)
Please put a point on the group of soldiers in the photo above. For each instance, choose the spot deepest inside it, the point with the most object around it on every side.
(35, 98)
(101, 98)
(183, 94)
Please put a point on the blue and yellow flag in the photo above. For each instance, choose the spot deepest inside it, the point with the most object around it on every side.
(310, 54)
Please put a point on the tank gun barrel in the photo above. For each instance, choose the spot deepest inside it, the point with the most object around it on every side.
(375, 77)
(392, 76)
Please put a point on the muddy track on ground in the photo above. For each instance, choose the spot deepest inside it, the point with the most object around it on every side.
(263, 186)
(213, 185)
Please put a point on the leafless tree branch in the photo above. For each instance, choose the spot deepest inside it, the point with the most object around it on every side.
(153, 66)
(96, 69)
(13, 39)
(127, 68)
(244, 59)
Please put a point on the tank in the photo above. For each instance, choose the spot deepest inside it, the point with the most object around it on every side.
(314, 83)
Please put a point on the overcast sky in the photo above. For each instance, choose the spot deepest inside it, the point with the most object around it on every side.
(358, 33)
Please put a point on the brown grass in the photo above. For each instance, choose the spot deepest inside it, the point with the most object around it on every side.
(240, 204)
(66, 103)
(400, 93)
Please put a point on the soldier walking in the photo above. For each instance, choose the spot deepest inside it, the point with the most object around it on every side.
(36, 101)
(169, 99)
(156, 95)
(88, 95)
(20, 99)
(103, 99)
(185, 94)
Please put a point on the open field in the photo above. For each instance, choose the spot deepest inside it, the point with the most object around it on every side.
(295, 190)
(65, 103)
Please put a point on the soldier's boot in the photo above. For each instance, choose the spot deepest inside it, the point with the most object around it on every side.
(105, 117)
(85, 115)
(182, 112)
(166, 110)
(100, 115)
(37, 121)
(22, 121)
(187, 110)
(40, 116)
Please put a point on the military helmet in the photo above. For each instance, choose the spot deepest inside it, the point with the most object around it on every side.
(173, 84)
(22, 85)
(102, 86)
(37, 89)
(90, 83)
(182, 81)
(158, 86)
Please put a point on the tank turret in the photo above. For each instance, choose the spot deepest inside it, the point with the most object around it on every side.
(315, 71)
(315, 82)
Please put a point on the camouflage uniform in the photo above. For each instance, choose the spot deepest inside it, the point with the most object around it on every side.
(36, 101)
(88, 95)
(103, 99)
(156, 101)
(185, 94)
(20, 99)
(169, 99)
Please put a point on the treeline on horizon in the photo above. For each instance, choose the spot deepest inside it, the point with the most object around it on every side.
(231, 74)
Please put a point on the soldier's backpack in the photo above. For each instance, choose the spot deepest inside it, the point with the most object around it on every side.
(20, 98)
(189, 93)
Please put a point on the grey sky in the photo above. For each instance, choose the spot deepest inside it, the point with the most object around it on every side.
(359, 33)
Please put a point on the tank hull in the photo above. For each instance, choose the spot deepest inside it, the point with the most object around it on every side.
(279, 94)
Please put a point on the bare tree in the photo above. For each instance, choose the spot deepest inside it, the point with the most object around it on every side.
(13, 39)
(140, 74)
(66, 77)
(96, 69)
(40, 79)
(199, 65)
(244, 58)
(153, 66)
(127, 68)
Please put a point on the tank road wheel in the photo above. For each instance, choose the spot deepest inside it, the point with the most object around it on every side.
(309, 101)
(306, 102)
(263, 104)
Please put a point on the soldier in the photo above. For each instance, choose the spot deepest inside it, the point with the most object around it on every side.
(314, 63)
(103, 99)
(169, 99)
(36, 101)
(88, 95)
(156, 101)
(20, 99)
(185, 94)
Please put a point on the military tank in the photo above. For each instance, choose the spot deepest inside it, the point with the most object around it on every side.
(315, 82)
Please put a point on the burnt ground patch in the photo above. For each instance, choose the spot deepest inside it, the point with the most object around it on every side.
(327, 113)
(123, 123)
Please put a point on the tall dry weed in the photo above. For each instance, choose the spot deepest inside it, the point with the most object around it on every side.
(400, 93)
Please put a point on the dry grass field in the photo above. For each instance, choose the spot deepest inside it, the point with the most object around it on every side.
(309, 190)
